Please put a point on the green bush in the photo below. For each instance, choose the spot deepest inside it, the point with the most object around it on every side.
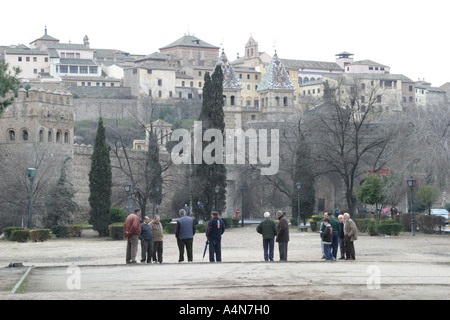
(116, 231)
(201, 228)
(117, 215)
(9, 230)
(75, 230)
(389, 227)
(40, 235)
(294, 221)
(20, 235)
(165, 221)
(235, 222)
(228, 222)
(372, 228)
(363, 224)
(170, 228)
(313, 225)
(60, 231)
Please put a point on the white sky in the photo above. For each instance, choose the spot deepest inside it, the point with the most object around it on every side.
(410, 36)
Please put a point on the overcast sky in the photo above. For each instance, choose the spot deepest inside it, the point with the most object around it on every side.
(410, 36)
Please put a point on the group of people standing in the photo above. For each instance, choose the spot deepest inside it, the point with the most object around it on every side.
(334, 233)
(151, 236)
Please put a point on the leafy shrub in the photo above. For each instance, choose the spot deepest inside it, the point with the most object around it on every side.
(75, 231)
(20, 235)
(372, 228)
(117, 215)
(389, 227)
(60, 231)
(170, 228)
(235, 222)
(40, 235)
(429, 223)
(294, 221)
(201, 228)
(9, 230)
(228, 222)
(165, 221)
(116, 231)
(362, 224)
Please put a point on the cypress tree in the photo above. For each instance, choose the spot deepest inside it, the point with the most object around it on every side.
(206, 177)
(100, 181)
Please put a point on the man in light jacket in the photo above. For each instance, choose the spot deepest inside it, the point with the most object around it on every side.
(350, 235)
(158, 239)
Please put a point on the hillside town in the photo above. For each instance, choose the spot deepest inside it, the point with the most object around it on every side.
(65, 83)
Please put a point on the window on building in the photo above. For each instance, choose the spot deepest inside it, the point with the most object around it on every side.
(93, 70)
(66, 137)
(73, 69)
(12, 135)
(191, 84)
(160, 82)
(285, 101)
(160, 93)
(24, 135)
(199, 73)
(19, 59)
(28, 59)
(58, 136)
(149, 71)
(248, 77)
(35, 71)
(41, 135)
(200, 84)
(46, 59)
(34, 59)
(411, 88)
(232, 100)
(180, 95)
(84, 70)
(63, 69)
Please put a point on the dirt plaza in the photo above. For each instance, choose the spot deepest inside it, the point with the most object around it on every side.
(401, 267)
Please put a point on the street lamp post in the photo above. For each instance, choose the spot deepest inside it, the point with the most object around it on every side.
(411, 183)
(127, 188)
(31, 173)
(216, 189)
(157, 200)
(298, 186)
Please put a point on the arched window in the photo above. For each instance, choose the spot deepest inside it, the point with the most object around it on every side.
(66, 137)
(285, 101)
(300, 81)
(312, 79)
(58, 136)
(41, 135)
(50, 136)
(12, 135)
(277, 100)
(24, 135)
(232, 100)
(305, 79)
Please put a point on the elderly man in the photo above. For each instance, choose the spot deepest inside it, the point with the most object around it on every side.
(146, 237)
(132, 229)
(184, 233)
(282, 235)
(158, 239)
(350, 232)
(268, 229)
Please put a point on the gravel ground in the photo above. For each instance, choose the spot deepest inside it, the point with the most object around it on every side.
(408, 268)
(238, 245)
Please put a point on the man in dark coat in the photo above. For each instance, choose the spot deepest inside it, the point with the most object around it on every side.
(146, 237)
(282, 235)
(268, 229)
(214, 231)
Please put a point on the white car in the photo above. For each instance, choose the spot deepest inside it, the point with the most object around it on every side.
(441, 212)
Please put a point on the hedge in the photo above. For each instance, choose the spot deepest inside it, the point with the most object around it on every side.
(389, 227)
(20, 235)
(40, 235)
(9, 230)
(67, 231)
(116, 231)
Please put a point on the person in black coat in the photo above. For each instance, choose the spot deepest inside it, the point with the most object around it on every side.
(146, 237)
(214, 231)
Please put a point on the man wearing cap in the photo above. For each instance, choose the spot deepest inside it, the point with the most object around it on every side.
(268, 229)
(214, 232)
